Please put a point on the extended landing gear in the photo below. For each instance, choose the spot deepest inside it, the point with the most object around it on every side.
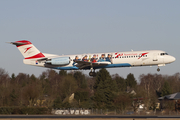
(92, 73)
(158, 69)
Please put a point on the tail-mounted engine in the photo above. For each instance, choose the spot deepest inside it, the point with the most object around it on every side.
(59, 61)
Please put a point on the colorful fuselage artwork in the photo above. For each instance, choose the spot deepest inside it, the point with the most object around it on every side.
(94, 59)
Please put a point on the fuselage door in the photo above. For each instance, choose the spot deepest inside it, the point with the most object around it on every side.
(155, 57)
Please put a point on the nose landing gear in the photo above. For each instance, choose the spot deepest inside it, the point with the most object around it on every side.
(158, 69)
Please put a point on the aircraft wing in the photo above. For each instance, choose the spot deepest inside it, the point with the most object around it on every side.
(84, 64)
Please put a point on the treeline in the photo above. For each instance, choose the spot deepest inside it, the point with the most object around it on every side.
(76, 90)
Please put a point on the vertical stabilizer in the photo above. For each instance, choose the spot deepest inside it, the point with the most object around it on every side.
(28, 50)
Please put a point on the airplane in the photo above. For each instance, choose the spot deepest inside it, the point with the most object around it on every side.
(32, 56)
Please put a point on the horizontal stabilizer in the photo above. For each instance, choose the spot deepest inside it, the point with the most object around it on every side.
(16, 43)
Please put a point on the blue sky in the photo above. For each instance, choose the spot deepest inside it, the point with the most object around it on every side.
(90, 26)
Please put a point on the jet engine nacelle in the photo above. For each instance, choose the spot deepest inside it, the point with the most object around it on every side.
(59, 61)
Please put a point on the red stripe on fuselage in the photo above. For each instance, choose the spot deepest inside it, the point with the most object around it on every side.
(142, 55)
(40, 55)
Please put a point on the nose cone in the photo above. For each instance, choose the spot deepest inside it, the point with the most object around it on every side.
(171, 59)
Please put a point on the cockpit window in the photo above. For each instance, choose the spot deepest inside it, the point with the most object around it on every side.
(164, 54)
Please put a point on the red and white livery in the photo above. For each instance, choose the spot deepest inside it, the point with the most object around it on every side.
(32, 56)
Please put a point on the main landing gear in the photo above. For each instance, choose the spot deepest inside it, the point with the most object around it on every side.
(93, 74)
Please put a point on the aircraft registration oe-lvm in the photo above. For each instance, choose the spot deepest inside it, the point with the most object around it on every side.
(32, 56)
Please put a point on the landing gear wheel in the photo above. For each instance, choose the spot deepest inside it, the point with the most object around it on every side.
(158, 69)
(92, 74)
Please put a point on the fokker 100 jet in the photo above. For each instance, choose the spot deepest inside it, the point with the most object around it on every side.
(32, 56)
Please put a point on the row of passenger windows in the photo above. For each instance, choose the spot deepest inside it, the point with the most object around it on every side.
(130, 56)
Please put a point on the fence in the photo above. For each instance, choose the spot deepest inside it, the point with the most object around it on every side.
(81, 111)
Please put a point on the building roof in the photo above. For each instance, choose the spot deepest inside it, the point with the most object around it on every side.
(174, 96)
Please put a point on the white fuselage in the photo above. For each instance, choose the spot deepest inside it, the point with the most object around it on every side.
(117, 59)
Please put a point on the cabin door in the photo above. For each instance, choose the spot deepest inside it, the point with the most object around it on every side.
(155, 57)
